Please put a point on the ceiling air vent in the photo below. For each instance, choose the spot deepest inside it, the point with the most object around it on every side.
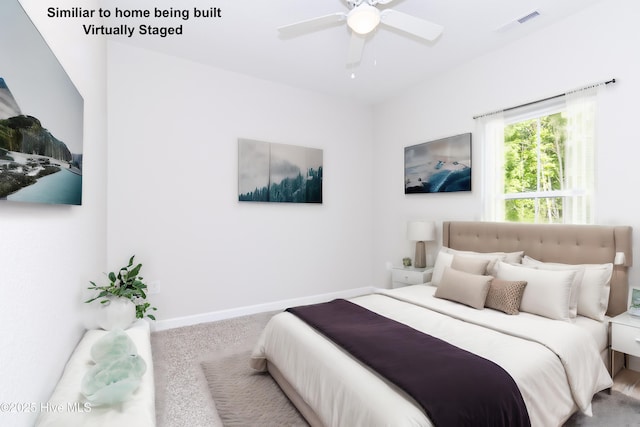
(528, 17)
(517, 21)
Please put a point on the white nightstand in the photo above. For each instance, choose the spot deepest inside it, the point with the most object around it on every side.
(625, 336)
(403, 276)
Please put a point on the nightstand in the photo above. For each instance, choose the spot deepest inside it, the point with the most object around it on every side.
(625, 336)
(403, 276)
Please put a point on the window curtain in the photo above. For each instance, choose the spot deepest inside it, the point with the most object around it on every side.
(490, 133)
(580, 155)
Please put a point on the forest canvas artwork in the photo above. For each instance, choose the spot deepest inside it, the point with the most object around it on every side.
(443, 165)
(41, 117)
(269, 172)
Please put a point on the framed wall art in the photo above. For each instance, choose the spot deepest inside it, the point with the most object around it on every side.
(269, 172)
(634, 307)
(41, 117)
(439, 166)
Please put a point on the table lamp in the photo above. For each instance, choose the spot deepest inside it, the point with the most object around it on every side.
(420, 232)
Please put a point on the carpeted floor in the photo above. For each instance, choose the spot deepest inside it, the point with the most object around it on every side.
(244, 397)
(199, 364)
(183, 398)
(609, 410)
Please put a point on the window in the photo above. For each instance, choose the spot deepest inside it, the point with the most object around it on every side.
(534, 166)
(539, 162)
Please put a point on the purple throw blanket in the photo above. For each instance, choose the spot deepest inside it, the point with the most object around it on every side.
(455, 387)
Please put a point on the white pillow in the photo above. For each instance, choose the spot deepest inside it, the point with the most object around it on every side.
(575, 288)
(443, 260)
(548, 292)
(593, 289)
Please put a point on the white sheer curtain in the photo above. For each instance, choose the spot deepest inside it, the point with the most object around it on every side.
(490, 133)
(580, 163)
(580, 155)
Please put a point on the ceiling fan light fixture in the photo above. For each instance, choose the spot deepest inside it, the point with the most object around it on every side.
(363, 19)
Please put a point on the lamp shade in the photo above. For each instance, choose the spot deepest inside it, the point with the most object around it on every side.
(421, 231)
(363, 19)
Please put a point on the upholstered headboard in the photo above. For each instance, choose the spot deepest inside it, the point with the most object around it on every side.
(570, 244)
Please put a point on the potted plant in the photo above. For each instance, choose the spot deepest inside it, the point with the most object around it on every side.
(125, 289)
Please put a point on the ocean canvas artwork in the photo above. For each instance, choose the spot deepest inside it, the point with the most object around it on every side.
(439, 166)
(41, 117)
(269, 172)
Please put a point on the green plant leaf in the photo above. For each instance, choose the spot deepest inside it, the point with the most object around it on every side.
(134, 272)
(126, 284)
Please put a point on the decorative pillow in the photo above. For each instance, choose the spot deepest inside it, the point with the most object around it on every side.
(465, 288)
(593, 289)
(493, 257)
(548, 292)
(470, 265)
(443, 260)
(505, 296)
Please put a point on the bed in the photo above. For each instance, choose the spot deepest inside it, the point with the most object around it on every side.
(555, 348)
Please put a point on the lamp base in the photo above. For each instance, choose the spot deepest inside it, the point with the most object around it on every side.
(420, 259)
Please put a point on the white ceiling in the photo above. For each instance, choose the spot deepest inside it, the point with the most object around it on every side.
(245, 39)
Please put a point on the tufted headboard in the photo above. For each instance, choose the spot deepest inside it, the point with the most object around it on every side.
(569, 244)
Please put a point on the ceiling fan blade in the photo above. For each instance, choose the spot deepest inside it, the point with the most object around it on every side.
(410, 24)
(356, 46)
(312, 24)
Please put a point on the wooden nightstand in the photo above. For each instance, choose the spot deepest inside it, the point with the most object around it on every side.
(403, 276)
(625, 336)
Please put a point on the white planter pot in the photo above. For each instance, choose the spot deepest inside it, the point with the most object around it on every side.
(118, 313)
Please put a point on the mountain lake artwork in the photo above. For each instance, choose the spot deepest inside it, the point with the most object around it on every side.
(41, 118)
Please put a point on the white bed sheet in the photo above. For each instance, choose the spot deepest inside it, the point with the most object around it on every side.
(344, 393)
(599, 330)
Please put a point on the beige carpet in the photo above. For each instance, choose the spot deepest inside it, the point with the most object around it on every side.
(183, 398)
(244, 397)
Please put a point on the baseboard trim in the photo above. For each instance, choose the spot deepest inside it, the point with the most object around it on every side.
(214, 316)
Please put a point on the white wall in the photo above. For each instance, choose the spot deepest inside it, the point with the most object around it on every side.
(592, 46)
(172, 197)
(49, 253)
(176, 206)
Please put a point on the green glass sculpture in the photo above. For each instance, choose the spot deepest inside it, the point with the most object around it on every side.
(113, 345)
(117, 373)
(114, 380)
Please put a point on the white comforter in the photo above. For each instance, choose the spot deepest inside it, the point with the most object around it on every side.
(555, 364)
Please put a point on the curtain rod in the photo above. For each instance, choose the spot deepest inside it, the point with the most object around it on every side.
(545, 99)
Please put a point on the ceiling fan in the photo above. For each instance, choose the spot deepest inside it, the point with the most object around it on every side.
(362, 19)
